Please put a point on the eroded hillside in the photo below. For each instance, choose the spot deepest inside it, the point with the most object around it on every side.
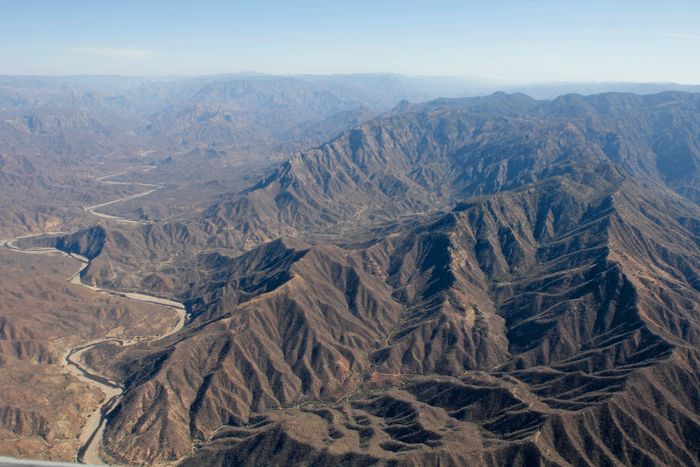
(496, 281)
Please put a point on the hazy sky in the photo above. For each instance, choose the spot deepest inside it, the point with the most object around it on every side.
(521, 41)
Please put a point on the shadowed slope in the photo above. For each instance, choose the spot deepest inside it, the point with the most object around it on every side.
(570, 265)
(553, 288)
(280, 324)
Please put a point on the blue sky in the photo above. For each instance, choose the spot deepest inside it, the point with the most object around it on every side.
(514, 41)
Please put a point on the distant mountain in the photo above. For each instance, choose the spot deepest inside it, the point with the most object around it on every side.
(251, 115)
(554, 90)
(107, 118)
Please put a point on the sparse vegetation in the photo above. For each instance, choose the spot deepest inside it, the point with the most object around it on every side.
(342, 310)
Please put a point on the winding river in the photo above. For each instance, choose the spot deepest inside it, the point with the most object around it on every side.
(153, 187)
(91, 436)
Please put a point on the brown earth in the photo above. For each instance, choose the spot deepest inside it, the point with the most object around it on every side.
(544, 311)
(42, 316)
(494, 281)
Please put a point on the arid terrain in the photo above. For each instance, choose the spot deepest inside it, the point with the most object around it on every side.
(485, 281)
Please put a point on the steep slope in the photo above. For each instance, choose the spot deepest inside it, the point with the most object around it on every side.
(651, 136)
(147, 256)
(281, 324)
(417, 162)
(311, 134)
(403, 165)
(596, 346)
(534, 304)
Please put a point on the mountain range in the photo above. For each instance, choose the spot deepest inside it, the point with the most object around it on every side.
(491, 281)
